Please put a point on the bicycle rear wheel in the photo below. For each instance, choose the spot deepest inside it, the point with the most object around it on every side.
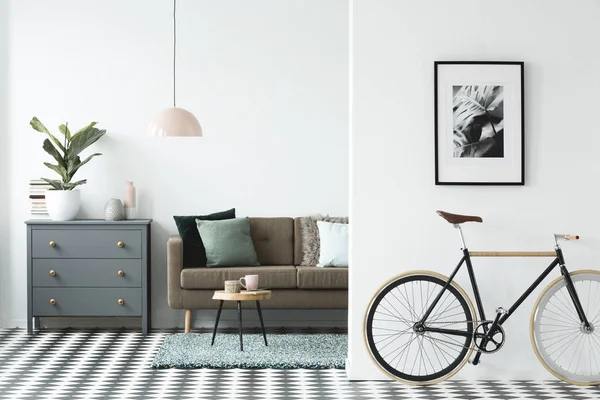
(400, 350)
(562, 344)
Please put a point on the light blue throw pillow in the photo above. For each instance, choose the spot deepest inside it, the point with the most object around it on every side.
(333, 244)
(227, 242)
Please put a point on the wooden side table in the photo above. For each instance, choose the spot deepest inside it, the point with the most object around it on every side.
(244, 295)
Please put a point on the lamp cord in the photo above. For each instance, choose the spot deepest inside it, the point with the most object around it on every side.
(174, 47)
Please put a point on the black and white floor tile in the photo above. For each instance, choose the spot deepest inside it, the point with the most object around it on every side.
(79, 364)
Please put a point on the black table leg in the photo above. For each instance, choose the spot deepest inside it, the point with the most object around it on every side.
(239, 308)
(262, 324)
(217, 322)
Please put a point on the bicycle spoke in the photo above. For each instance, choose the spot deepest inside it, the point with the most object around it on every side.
(433, 320)
(392, 335)
(426, 356)
(556, 320)
(403, 303)
(575, 352)
(569, 307)
(403, 347)
(451, 338)
(566, 316)
(561, 335)
(568, 336)
(567, 344)
(556, 330)
(435, 344)
(394, 308)
(436, 317)
(394, 338)
(412, 311)
(447, 346)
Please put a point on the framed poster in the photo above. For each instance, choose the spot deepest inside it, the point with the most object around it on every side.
(479, 123)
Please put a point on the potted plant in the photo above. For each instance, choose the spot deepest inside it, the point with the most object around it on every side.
(63, 199)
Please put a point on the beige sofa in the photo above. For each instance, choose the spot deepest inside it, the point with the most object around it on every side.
(278, 245)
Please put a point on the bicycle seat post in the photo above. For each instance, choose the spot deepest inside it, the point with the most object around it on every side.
(462, 238)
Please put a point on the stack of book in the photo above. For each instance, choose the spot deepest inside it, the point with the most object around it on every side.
(37, 198)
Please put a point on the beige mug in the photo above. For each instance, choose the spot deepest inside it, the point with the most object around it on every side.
(232, 286)
(249, 282)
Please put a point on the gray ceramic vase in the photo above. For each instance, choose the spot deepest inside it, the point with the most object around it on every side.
(114, 211)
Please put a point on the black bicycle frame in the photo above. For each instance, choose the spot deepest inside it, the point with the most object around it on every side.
(501, 317)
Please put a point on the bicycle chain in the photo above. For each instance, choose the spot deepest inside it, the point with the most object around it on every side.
(457, 322)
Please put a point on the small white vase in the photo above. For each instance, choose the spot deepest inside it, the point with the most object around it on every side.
(113, 210)
(63, 205)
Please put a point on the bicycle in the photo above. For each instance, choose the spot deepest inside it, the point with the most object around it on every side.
(421, 327)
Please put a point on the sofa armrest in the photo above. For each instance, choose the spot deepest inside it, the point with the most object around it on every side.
(174, 267)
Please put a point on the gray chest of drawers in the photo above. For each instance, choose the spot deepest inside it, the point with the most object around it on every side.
(88, 268)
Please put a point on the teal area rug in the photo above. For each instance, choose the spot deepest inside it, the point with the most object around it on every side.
(285, 351)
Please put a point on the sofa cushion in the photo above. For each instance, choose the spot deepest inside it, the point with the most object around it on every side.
(322, 278)
(271, 277)
(273, 240)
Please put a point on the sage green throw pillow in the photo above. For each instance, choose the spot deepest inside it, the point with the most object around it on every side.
(228, 242)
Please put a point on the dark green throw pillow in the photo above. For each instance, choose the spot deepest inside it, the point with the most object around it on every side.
(194, 254)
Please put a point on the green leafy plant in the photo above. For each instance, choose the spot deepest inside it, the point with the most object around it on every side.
(66, 153)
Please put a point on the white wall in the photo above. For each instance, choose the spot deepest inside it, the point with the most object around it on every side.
(4, 137)
(394, 225)
(268, 81)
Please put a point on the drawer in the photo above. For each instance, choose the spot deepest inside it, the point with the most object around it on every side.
(92, 272)
(86, 302)
(86, 243)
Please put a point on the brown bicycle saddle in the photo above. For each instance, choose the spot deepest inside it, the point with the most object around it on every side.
(457, 218)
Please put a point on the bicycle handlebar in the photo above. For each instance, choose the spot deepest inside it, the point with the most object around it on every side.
(565, 236)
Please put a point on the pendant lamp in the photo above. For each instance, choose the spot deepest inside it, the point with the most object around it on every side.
(175, 121)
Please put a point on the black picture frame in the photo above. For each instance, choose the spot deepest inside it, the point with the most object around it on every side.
(517, 178)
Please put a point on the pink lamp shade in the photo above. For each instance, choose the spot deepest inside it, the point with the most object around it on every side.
(175, 122)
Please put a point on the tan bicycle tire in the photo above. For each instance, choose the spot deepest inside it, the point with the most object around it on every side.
(461, 291)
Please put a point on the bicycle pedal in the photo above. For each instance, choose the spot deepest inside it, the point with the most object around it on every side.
(501, 310)
(471, 362)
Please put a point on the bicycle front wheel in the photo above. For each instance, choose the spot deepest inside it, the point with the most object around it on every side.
(404, 353)
(562, 344)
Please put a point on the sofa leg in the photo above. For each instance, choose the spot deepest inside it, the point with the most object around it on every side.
(188, 320)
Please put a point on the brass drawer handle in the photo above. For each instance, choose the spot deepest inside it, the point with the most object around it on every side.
(120, 244)
(52, 272)
(121, 273)
(52, 243)
(121, 302)
(53, 301)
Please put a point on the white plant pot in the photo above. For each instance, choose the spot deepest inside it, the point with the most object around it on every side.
(63, 205)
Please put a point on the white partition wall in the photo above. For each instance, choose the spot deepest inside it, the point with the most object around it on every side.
(4, 138)
(394, 225)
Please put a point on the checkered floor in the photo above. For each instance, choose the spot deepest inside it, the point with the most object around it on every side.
(116, 365)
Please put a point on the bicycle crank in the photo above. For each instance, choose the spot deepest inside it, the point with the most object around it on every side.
(493, 342)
